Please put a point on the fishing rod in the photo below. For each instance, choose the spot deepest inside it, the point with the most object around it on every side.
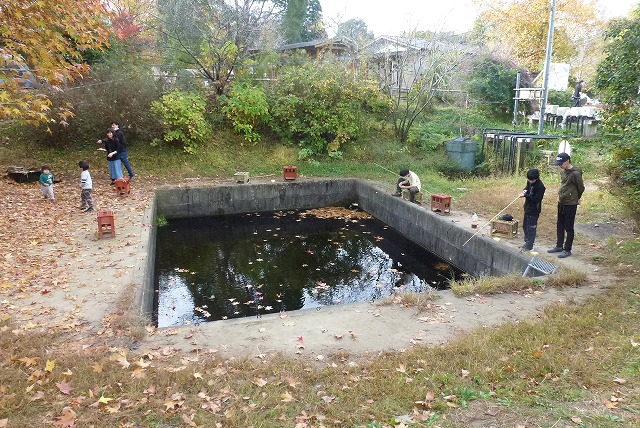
(489, 222)
(388, 170)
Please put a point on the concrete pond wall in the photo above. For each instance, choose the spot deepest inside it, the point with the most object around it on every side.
(437, 233)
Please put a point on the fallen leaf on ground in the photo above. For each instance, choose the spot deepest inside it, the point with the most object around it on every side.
(286, 397)
(64, 387)
(67, 420)
(260, 382)
(51, 364)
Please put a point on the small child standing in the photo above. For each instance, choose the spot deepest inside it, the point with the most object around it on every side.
(533, 194)
(86, 185)
(46, 183)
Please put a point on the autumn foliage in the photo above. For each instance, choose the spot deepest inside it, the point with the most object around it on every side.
(44, 41)
(518, 29)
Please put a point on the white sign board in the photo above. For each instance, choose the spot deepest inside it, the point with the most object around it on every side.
(558, 76)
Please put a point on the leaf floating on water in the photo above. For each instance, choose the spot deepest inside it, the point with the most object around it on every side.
(441, 266)
(336, 213)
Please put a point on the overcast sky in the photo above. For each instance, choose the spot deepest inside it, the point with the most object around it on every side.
(391, 17)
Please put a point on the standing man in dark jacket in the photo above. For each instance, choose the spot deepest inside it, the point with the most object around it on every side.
(569, 194)
(124, 155)
(577, 93)
(532, 194)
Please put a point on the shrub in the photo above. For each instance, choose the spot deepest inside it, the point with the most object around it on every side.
(560, 98)
(422, 137)
(437, 126)
(492, 84)
(246, 106)
(183, 120)
(617, 82)
(118, 91)
(321, 106)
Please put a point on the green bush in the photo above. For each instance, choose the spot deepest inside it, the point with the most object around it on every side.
(425, 138)
(617, 82)
(246, 106)
(492, 85)
(560, 98)
(321, 106)
(183, 120)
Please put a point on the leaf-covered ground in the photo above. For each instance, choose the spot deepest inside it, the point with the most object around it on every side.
(87, 361)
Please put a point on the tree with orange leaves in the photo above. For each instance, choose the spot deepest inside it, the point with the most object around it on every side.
(41, 46)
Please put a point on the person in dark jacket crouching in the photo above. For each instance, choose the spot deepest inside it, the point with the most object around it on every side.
(532, 194)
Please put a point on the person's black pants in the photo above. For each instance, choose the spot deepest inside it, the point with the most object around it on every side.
(412, 190)
(529, 226)
(566, 221)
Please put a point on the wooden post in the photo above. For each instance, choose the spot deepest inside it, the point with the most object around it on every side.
(518, 153)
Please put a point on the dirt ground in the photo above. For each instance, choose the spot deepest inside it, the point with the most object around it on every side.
(56, 274)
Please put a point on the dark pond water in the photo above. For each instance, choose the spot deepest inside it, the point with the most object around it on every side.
(235, 266)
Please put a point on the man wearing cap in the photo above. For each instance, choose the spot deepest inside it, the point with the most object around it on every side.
(408, 180)
(571, 189)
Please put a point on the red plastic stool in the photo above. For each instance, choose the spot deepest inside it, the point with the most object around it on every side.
(441, 203)
(290, 173)
(106, 223)
(122, 186)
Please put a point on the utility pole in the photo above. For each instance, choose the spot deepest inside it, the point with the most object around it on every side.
(515, 102)
(547, 64)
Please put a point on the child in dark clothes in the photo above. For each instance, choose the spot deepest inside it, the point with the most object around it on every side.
(533, 194)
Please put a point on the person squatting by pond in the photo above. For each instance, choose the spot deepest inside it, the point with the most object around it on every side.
(569, 194)
(124, 154)
(410, 181)
(532, 194)
(113, 148)
(46, 183)
(86, 184)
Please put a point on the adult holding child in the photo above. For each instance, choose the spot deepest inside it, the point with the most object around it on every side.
(113, 148)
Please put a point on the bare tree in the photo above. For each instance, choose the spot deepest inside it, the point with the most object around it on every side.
(213, 36)
(413, 71)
